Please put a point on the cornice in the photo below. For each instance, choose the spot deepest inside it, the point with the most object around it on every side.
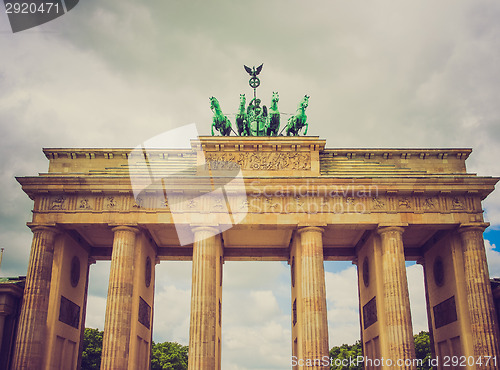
(229, 144)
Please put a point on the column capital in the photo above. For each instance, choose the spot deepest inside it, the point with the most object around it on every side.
(473, 226)
(384, 228)
(49, 228)
(317, 229)
(212, 229)
(132, 228)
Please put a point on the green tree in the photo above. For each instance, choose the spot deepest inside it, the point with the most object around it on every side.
(169, 356)
(164, 356)
(423, 349)
(92, 349)
(344, 356)
(340, 355)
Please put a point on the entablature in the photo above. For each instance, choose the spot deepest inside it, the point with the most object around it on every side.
(408, 186)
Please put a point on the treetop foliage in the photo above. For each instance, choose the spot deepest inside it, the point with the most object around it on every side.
(174, 356)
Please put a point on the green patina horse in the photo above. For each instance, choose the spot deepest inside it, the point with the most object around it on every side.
(242, 118)
(273, 119)
(219, 121)
(299, 120)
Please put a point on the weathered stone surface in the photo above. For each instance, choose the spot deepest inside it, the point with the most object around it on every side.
(204, 321)
(30, 341)
(482, 314)
(313, 319)
(116, 340)
(398, 325)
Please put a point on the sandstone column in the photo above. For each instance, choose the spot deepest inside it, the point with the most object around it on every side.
(315, 322)
(31, 332)
(116, 341)
(202, 332)
(399, 332)
(479, 298)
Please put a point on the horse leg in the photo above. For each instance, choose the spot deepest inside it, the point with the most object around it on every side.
(276, 126)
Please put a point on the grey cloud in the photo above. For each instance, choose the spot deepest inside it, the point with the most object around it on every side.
(119, 72)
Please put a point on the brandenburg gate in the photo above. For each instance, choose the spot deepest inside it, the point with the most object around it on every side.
(256, 198)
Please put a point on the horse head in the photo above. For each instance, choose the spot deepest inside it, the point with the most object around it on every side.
(212, 102)
(304, 103)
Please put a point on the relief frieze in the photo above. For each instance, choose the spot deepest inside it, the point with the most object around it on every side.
(58, 203)
(429, 203)
(378, 203)
(85, 203)
(110, 203)
(457, 203)
(260, 161)
(405, 203)
(138, 203)
(283, 202)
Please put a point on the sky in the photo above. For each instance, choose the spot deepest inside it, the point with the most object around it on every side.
(409, 74)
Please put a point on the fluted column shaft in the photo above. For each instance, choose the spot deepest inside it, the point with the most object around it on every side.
(33, 320)
(479, 297)
(202, 332)
(315, 322)
(396, 298)
(116, 341)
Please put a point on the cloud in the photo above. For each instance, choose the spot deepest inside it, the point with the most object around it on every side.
(493, 257)
(343, 306)
(256, 322)
(16, 243)
(96, 310)
(416, 288)
(171, 314)
(420, 74)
